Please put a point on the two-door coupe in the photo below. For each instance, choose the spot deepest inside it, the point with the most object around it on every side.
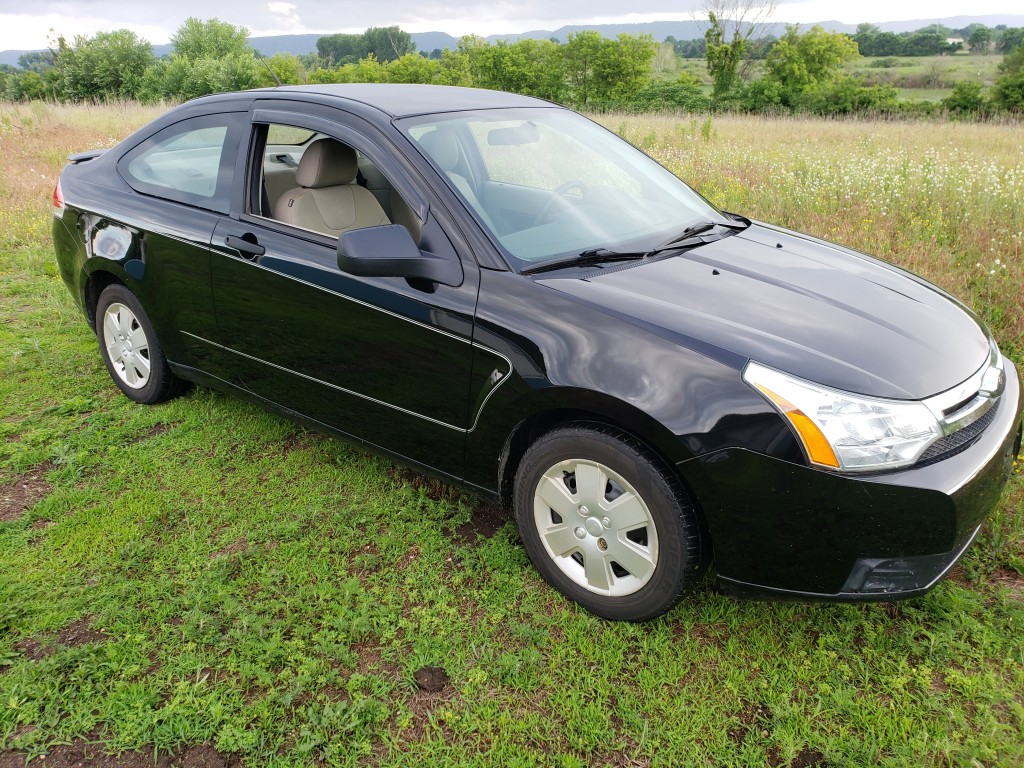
(498, 291)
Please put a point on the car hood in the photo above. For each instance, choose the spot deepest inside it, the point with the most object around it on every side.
(801, 305)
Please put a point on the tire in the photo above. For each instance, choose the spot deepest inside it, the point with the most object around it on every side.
(130, 348)
(607, 524)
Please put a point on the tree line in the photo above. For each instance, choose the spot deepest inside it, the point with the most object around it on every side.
(799, 71)
(933, 40)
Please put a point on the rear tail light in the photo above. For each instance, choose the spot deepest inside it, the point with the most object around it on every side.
(58, 201)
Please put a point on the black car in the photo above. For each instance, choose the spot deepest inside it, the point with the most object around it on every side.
(498, 291)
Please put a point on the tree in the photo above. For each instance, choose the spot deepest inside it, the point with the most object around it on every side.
(624, 67)
(685, 95)
(966, 99)
(36, 61)
(414, 68)
(980, 39)
(799, 61)
(109, 65)
(531, 67)
(579, 58)
(210, 39)
(24, 85)
(388, 43)
(181, 78)
(665, 61)
(286, 66)
(1009, 39)
(341, 49)
(731, 25)
(1008, 91)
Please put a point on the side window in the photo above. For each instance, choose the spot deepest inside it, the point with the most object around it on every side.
(312, 181)
(185, 162)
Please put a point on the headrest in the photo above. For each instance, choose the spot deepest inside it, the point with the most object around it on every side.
(327, 163)
(442, 147)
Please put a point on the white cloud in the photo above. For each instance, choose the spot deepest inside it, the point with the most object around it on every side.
(32, 32)
(286, 17)
(29, 29)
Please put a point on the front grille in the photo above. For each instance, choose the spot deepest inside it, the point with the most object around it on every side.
(959, 441)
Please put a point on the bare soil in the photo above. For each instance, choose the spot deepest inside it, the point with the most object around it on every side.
(75, 634)
(81, 754)
(21, 494)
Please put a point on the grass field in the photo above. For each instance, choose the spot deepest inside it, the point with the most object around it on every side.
(913, 72)
(928, 78)
(203, 584)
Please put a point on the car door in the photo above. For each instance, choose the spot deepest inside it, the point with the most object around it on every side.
(385, 360)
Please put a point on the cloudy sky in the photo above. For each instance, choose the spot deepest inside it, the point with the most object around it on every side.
(25, 24)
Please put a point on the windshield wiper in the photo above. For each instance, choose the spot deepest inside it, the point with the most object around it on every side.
(604, 255)
(700, 229)
(582, 259)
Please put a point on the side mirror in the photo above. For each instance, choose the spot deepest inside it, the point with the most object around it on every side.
(389, 251)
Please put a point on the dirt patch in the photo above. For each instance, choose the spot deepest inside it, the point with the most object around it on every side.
(234, 548)
(431, 487)
(23, 492)
(80, 633)
(750, 719)
(807, 758)
(33, 650)
(487, 519)
(1009, 579)
(958, 576)
(432, 679)
(84, 754)
(157, 429)
(75, 634)
(371, 661)
(298, 441)
(421, 704)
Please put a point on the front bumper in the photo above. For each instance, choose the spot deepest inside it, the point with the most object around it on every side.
(798, 532)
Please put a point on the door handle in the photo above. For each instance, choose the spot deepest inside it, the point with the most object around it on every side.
(249, 248)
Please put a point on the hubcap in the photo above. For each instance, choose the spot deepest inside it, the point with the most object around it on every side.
(127, 345)
(595, 527)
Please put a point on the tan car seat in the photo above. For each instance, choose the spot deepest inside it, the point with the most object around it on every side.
(328, 200)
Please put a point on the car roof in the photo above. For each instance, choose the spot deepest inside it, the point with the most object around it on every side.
(402, 100)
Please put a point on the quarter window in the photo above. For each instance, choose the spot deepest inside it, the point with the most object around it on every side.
(185, 162)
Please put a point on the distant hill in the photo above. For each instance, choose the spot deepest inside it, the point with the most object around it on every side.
(681, 30)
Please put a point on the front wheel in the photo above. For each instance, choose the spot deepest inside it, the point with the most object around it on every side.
(130, 348)
(607, 524)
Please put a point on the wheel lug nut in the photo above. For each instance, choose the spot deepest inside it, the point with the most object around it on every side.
(606, 522)
(602, 544)
(583, 510)
(581, 532)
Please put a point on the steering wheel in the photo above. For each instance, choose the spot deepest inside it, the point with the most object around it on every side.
(558, 196)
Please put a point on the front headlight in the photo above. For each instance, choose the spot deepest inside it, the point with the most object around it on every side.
(846, 431)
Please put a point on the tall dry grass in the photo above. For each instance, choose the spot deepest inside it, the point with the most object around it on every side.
(35, 140)
(945, 200)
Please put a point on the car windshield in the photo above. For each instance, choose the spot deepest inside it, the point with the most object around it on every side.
(548, 182)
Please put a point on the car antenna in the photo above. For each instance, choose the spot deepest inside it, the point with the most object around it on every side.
(267, 65)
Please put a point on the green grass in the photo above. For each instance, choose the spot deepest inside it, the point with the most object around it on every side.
(202, 572)
(929, 78)
(914, 72)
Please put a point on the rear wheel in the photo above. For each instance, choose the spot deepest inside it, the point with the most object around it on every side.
(130, 348)
(607, 524)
